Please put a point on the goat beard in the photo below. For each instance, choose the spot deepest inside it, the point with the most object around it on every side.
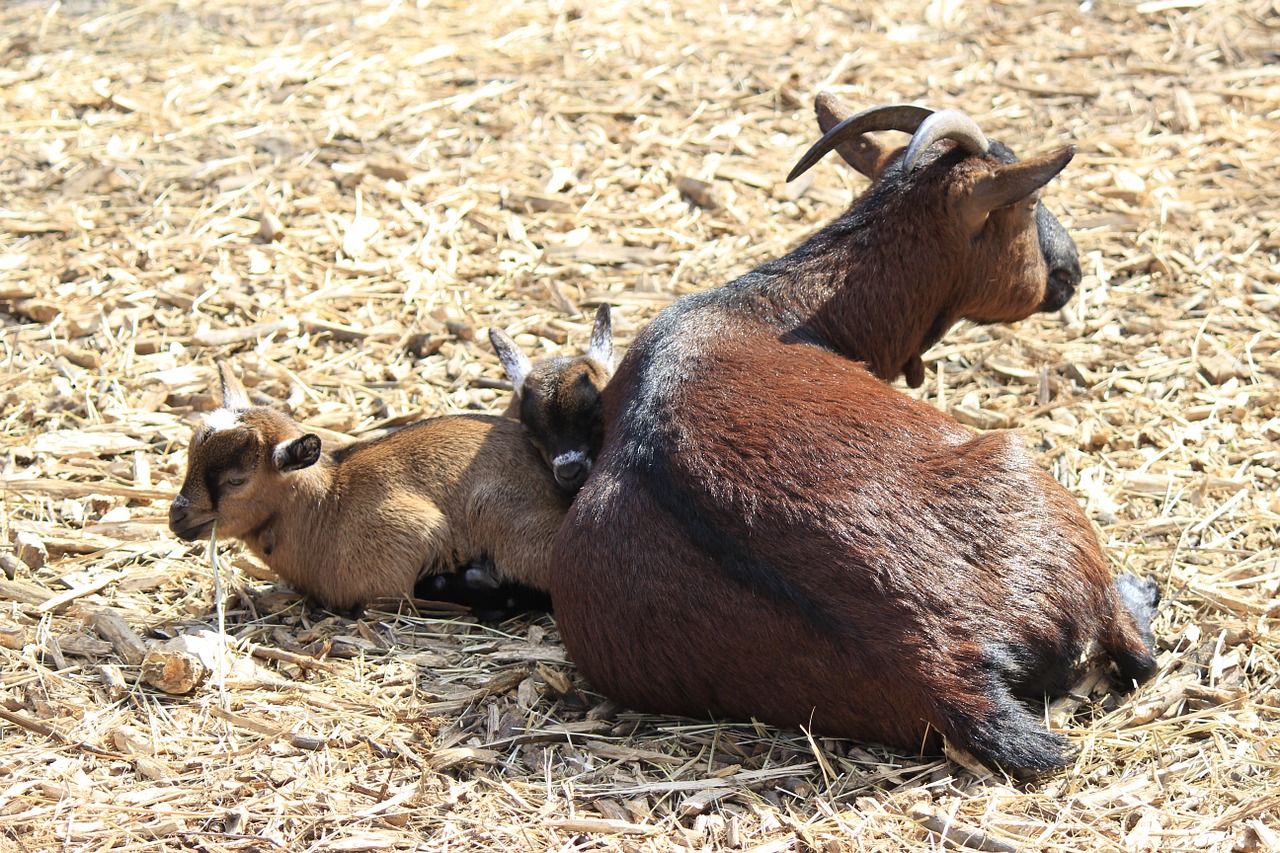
(913, 370)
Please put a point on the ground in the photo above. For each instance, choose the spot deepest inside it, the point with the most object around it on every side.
(336, 199)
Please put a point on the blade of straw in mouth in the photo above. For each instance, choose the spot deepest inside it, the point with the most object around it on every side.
(220, 609)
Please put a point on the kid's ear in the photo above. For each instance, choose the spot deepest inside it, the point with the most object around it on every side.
(513, 359)
(234, 397)
(297, 453)
(601, 349)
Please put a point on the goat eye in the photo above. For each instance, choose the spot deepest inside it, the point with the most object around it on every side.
(234, 481)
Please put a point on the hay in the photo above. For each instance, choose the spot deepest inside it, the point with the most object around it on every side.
(337, 196)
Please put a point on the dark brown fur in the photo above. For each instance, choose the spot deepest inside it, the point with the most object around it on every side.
(558, 400)
(370, 519)
(773, 532)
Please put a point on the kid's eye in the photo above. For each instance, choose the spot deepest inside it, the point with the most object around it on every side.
(234, 481)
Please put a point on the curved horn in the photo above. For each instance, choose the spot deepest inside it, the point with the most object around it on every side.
(944, 124)
(902, 117)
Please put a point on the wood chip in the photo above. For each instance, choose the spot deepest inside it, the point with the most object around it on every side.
(702, 193)
(29, 548)
(601, 253)
(980, 418)
(1219, 369)
(26, 593)
(173, 668)
(239, 334)
(12, 635)
(113, 682)
(74, 444)
(447, 759)
(112, 628)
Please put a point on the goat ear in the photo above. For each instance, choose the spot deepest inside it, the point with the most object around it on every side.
(234, 397)
(1006, 185)
(297, 453)
(863, 153)
(601, 349)
(513, 359)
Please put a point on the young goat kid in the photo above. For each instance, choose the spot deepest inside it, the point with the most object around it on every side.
(558, 400)
(771, 531)
(370, 519)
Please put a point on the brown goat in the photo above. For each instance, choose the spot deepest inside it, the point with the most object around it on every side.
(558, 400)
(773, 532)
(370, 519)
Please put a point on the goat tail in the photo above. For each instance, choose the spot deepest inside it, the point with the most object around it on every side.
(1131, 643)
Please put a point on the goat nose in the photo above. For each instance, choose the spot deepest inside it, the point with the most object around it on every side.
(479, 578)
(1071, 274)
(571, 473)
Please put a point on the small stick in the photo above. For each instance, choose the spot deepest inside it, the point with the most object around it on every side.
(306, 661)
(113, 681)
(52, 733)
(962, 836)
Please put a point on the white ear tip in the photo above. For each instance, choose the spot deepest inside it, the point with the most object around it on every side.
(513, 360)
(601, 346)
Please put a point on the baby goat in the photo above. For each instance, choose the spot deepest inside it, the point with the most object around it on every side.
(558, 400)
(773, 532)
(370, 519)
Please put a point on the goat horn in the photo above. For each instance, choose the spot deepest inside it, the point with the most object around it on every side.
(944, 124)
(901, 117)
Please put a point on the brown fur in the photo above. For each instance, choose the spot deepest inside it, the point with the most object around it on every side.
(774, 532)
(370, 519)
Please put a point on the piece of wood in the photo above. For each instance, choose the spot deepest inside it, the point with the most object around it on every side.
(731, 172)
(959, 834)
(113, 682)
(602, 826)
(79, 489)
(173, 670)
(77, 444)
(112, 628)
(29, 548)
(79, 591)
(12, 635)
(306, 661)
(607, 254)
(23, 592)
(704, 194)
(83, 645)
(240, 334)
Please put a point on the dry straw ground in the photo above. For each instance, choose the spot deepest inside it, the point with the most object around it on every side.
(338, 197)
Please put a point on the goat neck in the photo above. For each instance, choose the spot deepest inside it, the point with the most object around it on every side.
(305, 513)
(848, 288)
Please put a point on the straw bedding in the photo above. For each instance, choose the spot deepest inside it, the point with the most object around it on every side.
(337, 198)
